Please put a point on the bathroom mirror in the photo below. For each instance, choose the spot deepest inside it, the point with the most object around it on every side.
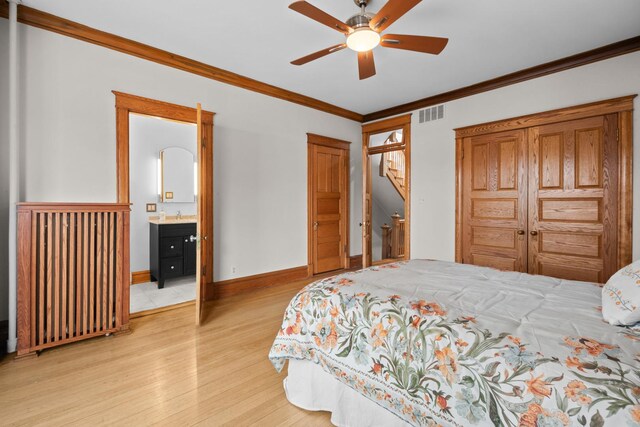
(176, 172)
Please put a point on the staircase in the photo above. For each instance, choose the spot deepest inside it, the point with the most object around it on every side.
(393, 238)
(392, 165)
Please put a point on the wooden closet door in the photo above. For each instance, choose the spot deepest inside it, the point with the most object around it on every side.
(573, 187)
(495, 204)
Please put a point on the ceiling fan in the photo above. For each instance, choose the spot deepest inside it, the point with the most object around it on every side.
(363, 33)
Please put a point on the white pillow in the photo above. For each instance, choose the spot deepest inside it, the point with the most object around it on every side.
(621, 296)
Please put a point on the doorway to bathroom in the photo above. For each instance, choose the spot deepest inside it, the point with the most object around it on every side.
(165, 162)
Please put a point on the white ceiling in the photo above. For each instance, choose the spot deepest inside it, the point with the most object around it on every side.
(258, 39)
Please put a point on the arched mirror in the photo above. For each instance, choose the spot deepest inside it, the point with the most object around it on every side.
(176, 176)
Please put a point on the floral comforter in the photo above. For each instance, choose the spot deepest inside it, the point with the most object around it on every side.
(439, 343)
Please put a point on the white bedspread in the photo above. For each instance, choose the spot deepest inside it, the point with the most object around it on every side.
(443, 343)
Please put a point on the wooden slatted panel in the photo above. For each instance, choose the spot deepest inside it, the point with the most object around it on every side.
(75, 275)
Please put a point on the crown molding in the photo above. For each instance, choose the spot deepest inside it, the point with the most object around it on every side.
(46, 21)
(599, 54)
(56, 24)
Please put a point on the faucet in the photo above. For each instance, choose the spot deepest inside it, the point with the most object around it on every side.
(179, 215)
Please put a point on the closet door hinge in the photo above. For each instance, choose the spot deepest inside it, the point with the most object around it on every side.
(618, 134)
(204, 270)
(204, 142)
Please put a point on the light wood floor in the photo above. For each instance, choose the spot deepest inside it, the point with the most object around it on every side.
(167, 372)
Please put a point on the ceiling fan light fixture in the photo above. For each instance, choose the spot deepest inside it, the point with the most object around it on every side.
(363, 39)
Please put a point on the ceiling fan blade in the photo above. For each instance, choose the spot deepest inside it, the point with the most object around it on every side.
(391, 12)
(433, 45)
(310, 11)
(318, 54)
(366, 65)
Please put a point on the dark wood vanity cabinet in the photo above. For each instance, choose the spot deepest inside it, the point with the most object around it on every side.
(172, 249)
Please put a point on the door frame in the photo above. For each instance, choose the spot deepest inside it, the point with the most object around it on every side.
(622, 106)
(314, 139)
(382, 126)
(125, 104)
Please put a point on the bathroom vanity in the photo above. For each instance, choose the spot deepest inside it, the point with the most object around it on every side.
(172, 248)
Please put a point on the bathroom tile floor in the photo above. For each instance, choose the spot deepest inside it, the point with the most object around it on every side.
(147, 296)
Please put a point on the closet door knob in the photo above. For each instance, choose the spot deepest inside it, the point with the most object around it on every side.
(520, 232)
(533, 233)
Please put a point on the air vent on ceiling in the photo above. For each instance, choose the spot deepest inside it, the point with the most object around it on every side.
(432, 113)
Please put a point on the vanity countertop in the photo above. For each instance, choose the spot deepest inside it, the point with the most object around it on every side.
(171, 219)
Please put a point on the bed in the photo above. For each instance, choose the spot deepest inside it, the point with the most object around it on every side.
(427, 342)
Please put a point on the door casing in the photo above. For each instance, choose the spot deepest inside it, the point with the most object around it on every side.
(400, 122)
(125, 104)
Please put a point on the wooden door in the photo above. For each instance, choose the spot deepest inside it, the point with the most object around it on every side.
(203, 218)
(495, 202)
(573, 187)
(366, 213)
(329, 180)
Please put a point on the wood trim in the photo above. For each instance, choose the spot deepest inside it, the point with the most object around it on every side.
(152, 107)
(143, 276)
(622, 106)
(245, 284)
(340, 144)
(381, 126)
(127, 103)
(388, 124)
(591, 109)
(458, 213)
(625, 188)
(56, 24)
(599, 54)
(314, 139)
(162, 309)
(64, 206)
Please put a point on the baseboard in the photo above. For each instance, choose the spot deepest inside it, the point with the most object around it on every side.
(140, 277)
(355, 262)
(229, 287)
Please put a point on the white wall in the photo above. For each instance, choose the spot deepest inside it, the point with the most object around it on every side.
(260, 146)
(4, 172)
(433, 143)
(147, 136)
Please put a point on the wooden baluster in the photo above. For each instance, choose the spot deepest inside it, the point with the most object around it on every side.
(385, 241)
(395, 235)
